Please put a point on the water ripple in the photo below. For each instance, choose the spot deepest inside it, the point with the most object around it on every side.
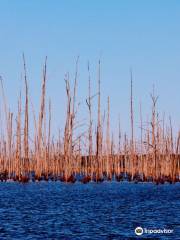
(93, 211)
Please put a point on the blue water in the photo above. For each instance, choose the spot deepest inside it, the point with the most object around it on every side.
(56, 210)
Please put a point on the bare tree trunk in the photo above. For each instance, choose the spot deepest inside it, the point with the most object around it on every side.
(26, 122)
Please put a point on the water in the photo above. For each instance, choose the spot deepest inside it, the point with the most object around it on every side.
(93, 211)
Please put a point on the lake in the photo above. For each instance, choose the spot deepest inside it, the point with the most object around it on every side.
(109, 210)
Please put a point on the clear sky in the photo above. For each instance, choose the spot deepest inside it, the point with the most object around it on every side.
(124, 34)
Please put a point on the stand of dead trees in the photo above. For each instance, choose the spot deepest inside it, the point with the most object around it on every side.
(89, 156)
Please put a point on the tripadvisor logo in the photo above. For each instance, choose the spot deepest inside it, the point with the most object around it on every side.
(139, 231)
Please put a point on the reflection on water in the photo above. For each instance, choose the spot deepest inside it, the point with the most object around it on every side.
(113, 210)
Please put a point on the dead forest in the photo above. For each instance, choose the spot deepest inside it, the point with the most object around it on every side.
(153, 157)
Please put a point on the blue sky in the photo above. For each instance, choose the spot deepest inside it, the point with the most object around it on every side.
(142, 35)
